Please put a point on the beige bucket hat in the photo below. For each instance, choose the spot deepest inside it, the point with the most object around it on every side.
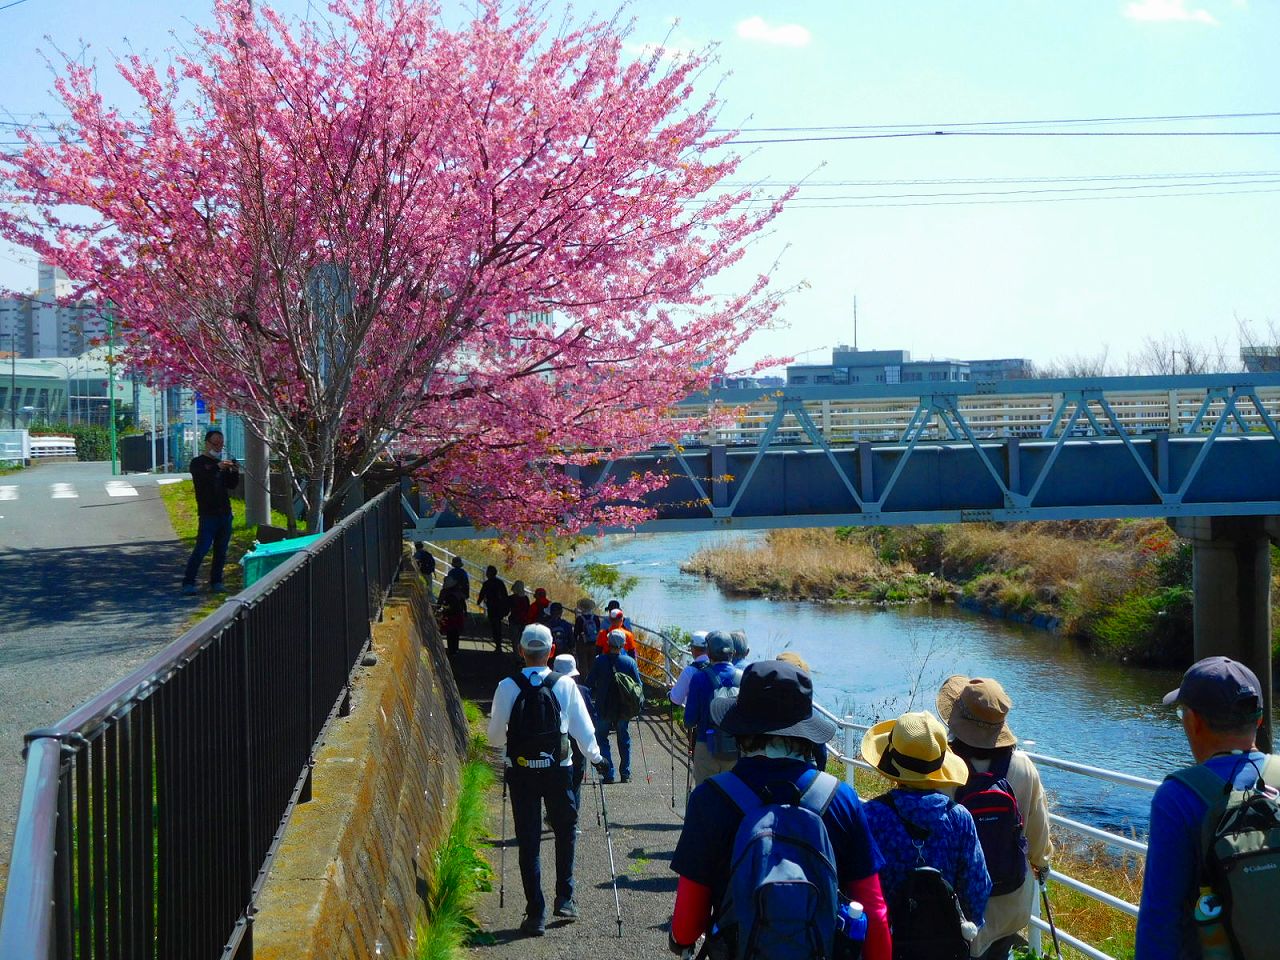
(975, 709)
(913, 751)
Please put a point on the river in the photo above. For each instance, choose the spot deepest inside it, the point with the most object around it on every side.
(867, 660)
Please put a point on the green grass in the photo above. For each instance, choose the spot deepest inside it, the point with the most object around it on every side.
(9, 466)
(180, 502)
(459, 872)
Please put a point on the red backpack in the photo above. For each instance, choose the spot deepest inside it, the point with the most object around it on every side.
(990, 800)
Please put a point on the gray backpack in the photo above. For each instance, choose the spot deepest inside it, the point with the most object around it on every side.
(1240, 854)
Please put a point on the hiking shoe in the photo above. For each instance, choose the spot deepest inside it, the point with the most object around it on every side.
(189, 590)
(567, 909)
(606, 779)
(217, 588)
(626, 778)
(533, 926)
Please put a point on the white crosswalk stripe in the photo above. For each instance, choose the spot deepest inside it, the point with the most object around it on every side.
(62, 491)
(9, 492)
(121, 488)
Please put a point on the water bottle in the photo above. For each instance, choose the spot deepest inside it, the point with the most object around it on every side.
(851, 929)
(1214, 944)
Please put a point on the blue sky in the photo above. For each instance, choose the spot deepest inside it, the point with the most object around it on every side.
(941, 275)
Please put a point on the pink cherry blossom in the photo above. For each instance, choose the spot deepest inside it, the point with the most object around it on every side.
(485, 248)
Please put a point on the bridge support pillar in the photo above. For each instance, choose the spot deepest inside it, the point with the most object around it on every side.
(1231, 579)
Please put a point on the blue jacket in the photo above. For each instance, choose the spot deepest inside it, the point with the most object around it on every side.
(600, 679)
(1170, 881)
(697, 708)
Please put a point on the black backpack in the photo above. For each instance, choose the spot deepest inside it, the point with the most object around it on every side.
(990, 800)
(925, 916)
(534, 740)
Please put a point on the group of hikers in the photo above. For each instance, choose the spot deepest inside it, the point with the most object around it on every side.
(779, 858)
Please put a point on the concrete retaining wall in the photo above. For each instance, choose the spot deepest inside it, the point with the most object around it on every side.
(349, 876)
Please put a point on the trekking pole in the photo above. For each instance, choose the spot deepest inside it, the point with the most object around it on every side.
(648, 774)
(597, 798)
(502, 869)
(1048, 912)
(673, 759)
(613, 873)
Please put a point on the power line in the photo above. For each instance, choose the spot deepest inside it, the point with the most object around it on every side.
(1090, 178)
(1156, 118)
(1002, 193)
(13, 4)
(1010, 133)
(818, 205)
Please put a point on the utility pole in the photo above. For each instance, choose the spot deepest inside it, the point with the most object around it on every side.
(13, 376)
(855, 323)
(111, 388)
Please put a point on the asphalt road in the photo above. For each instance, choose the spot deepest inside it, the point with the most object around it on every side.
(89, 587)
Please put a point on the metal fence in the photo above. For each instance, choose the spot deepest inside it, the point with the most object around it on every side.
(151, 814)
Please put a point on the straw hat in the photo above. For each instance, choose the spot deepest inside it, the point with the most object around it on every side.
(913, 751)
(585, 605)
(975, 710)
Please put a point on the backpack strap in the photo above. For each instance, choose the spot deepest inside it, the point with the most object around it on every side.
(820, 792)
(522, 681)
(733, 787)
(1204, 783)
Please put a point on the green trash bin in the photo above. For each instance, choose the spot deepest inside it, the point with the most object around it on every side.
(265, 557)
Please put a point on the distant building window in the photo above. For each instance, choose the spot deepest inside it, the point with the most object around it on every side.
(799, 379)
(822, 378)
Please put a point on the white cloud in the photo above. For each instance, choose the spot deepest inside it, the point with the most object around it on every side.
(1164, 11)
(782, 34)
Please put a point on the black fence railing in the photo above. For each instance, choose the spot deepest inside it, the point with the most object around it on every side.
(150, 815)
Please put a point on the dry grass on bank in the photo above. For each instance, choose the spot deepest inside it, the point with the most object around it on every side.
(805, 563)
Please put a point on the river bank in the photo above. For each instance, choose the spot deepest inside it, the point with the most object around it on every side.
(1121, 588)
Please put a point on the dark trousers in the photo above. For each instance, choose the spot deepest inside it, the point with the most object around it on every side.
(529, 790)
(495, 629)
(623, 730)
(213, 532)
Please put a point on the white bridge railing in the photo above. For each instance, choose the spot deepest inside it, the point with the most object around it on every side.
(673, 657)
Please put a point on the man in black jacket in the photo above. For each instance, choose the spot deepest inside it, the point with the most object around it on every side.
(214, 478)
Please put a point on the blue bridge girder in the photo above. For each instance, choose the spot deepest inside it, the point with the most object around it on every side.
(1009, 451)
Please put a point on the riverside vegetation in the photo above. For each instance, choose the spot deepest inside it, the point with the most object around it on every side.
(1120, 587)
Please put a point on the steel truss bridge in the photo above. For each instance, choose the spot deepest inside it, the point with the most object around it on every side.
(1178, 447)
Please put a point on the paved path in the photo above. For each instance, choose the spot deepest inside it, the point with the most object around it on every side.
(644, 828)
(89, 575)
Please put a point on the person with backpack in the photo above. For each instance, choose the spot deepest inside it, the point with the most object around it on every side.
(452, 611)
(561, 629)
(774, 817)
(614, 681)
(1212, 879)
(566, 664)
(934, 875)
(517, 611)
(698, 651)
(425, 560)
(714, 750)
(458, 574)
(586, 626)
(535, 714)
(493, 597)
(616, 622)
(1007, 802)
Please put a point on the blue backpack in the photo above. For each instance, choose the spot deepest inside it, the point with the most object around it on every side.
(781, 899)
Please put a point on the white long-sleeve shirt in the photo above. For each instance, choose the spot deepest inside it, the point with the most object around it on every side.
(680, 692)
(574, 718)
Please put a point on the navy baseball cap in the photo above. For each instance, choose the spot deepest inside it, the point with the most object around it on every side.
(1219, 688)
(720, 645)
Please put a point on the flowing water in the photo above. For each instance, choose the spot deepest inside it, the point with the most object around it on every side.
(867, 661)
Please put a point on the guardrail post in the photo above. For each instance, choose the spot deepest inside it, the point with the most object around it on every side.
(846, 747)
